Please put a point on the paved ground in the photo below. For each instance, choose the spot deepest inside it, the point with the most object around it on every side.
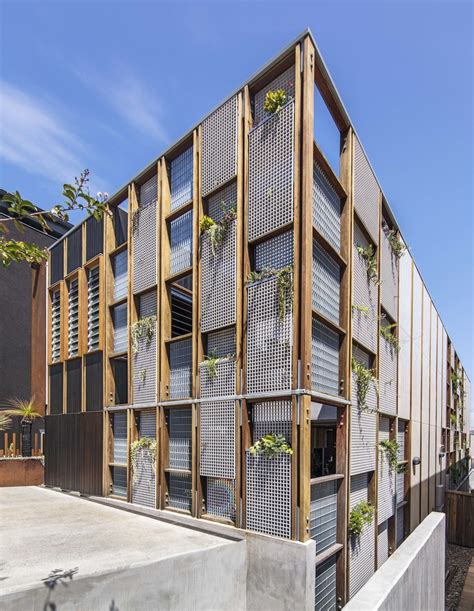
(42, 530)
(458, 559)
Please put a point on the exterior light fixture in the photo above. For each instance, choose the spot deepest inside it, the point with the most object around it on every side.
(416, 460)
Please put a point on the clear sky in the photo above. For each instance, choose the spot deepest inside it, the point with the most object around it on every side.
(109, 85)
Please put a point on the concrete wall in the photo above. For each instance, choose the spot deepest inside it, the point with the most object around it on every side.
(413, 577)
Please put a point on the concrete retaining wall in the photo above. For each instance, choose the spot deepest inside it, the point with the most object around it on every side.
(413, 577)
(21, 472)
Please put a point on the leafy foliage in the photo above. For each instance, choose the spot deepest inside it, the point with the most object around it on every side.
(389, 336)
(142, 329)
(284, 278)
(455, 381)
(23, 408)
(144, 443)
(453, 420)
(275, 100)
(5, 421)
(364, 379)
(210, 361)
(368, 254)
(214, 231)
(390, 447)
(361, 514)
(270, 446)
(360, 308)
(396, 245)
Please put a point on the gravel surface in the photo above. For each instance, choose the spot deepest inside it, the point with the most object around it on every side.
(458, 560)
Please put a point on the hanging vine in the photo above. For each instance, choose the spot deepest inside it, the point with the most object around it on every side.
(270, 446)
(455, 382)
(211, 360)
(389, 336)
(284, 277)
(390, 447)
(398, 248)
(364, 379)
(142, 329)
(368, 254)
(361, 514)
(136, 448)
(360, 308)
(215, 231)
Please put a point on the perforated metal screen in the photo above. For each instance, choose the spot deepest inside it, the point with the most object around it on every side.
(180, 357)
(362, 548)
(325, 585)
(389, 276)
(271, 173)
(327, 208)
(144, 476)
(323, 515)
(144, 359)
(400, 525)
(363, 423)
(56, 326)
(364, 298)
(218, 267)
(285, 81)
(221, 343)
(272, 417)
(382, 544)
(366, 192)
(217, 439)
(324, 359)
(181, 239)
(275, 253)
(181, 179)
(269, 339)
(386, 482)
(218, 384)
(269, 494)
(388, 374)
(144, 247)
(219, 147)
(326, 283)
(220, 497)
(73, 318)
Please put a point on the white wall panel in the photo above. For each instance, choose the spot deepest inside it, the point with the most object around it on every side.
(425, 455)
(415, 476)
(425, 357)
(404, 335)
(444, 376)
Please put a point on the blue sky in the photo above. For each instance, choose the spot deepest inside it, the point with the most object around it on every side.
(109, 85)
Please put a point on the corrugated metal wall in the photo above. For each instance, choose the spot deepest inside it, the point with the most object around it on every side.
(145, 358)
(389, 277)
(364, 298)
(361, 549)
(144, 238)
(382, 544)
(386, 481)
(388, 377)
(366, 192)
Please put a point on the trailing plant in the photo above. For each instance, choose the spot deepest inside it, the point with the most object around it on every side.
(144, 443)
(396, 245)
(142, 376)
(359, 308)
(270, 446)
(25, 410)
(214, 231)
(284, 278)
(210, 362)
(455, 382)
(361, 514)
(364, 378)
(453, 420)
(390, 447)
(142, 329)
(368, 254)
(402, 468)
(275, 100)
(390, 337)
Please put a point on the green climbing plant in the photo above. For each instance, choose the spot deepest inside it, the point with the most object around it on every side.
(367, 253)
(215, 231)
(211, 360)
(390, 448)
(360, 308)
(398, 248)
(453, 420)
(364, 379)
(275, 100)
(386, 333)
(137, 447)
(270, 446)
(142, 329)
(455, 382)
(361, 514)
(284, 277)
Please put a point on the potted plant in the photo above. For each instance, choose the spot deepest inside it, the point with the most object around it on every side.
(25, 410)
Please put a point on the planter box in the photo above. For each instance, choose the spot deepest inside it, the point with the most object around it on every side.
(21, 472)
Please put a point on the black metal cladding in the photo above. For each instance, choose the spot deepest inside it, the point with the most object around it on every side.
(120, 367)
(74, 386)
(57, 263)
(94, 238)
(56, 389)
(120, 221)
(93, 373)
(74, 250)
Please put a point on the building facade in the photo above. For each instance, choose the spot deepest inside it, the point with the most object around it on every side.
(245, 287)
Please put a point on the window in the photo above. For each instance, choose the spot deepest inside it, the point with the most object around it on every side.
(56, 326)
(119, 320)
(181, 313)
(120, 272)
(120, 223)
(73, 318)
(93, 308)
(181, 178)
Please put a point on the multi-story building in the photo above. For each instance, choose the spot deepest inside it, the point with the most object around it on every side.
(244, 287)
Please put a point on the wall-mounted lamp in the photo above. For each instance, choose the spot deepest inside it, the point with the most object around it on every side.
(416, 461)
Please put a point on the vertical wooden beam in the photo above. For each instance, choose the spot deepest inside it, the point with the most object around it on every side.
(165, 323)
(131, 309)
(342, 444)
(39, 333)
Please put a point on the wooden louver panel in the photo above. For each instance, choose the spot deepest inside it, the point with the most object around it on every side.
(73, 318)
(56, 326)
(93, 309)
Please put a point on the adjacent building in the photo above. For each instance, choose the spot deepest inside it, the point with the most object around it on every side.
(247, 288)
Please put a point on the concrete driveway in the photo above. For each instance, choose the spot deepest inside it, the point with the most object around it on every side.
(123, 560)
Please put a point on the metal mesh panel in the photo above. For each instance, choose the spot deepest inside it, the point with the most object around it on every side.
(386, 482)
(220, 497)
(400, 487)
(269, 494)
(144, 359)
(120, 437)
(326, 208)
(326, 283)
(382, 544)
(324, 359)
(179, 491)
(388, 377)
(119, 481)
(120, 272)
(361, 549)
(221, 343)
(401, 440)
(144, 248)
(119, 318)
(284, 81)
(275, 253)
(363, 424)
(93, 308)
(73, 318)
(218, 269)
(400, 526)
(219, 147)
(389, 277)
(222, 383)
(269, 340)
(366, 192)
(56, 326)
(181, 238)
(325, 585)
(181, 179)
(217, 438)
(323, 515)
(365, 296)
(144, 477)
(271, 417)
(148, 192)
(271, 173)
(180, 369)
(180, 445)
